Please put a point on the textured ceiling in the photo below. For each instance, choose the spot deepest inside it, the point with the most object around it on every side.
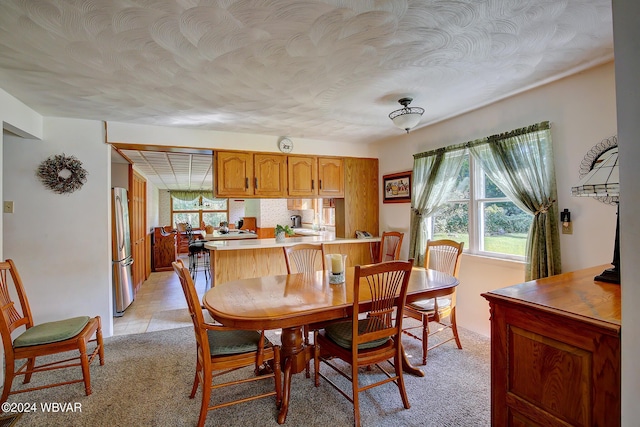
(328, 70)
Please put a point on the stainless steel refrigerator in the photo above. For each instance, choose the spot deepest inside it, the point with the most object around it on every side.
(121, 258)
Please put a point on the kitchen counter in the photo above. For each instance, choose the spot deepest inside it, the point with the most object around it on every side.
(231, 235)
(323, 237)
(243, 259)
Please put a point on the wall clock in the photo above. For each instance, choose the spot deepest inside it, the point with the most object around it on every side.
(285, 145)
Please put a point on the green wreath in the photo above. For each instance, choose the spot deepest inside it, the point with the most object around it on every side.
(62, 174)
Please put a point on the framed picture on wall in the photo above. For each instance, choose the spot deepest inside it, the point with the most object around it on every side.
(397, 187)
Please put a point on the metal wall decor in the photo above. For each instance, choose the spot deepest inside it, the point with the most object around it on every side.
(62, 174)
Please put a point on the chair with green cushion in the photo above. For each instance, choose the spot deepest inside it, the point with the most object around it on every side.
(221, 350)
(43, 339)
(376, 328)
(441, 255)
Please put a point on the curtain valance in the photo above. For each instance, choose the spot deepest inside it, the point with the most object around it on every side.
(188, 196)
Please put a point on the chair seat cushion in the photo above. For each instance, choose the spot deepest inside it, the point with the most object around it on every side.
(429, 304)
(49, 332)
(234, 342)
(340, 333)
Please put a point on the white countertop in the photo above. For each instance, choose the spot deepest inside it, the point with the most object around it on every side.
(231, 235)
(324, 237)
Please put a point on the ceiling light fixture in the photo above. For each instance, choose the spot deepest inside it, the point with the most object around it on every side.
(407, 117)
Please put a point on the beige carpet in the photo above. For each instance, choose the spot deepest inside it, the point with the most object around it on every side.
(147, 379)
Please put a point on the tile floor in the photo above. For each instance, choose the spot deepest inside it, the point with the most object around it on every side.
(159, 304)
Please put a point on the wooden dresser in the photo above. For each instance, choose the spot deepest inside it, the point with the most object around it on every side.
(555, 352)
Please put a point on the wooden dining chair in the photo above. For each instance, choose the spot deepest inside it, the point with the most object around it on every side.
(442, 255)
(390, 245)
(73, 334)
(221, 350)
(305, 258)
(369, 339)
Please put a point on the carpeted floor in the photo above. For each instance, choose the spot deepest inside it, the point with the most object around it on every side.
(147, 379)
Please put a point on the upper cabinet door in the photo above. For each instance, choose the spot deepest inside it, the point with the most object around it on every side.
(234, 174)
(303, 175)
(331, 177)
(270, 175)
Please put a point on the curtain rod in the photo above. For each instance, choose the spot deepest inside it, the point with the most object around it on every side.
(486, 140)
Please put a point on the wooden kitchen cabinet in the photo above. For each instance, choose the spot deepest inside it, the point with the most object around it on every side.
(555, 352)
(359, 209)
(246, 174)
(234, 174)
(330, 177)
(299, 204)
(270, 175)
(164, 249)
(303, 175)
(138, 227)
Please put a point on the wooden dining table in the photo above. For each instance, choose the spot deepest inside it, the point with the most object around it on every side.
(290, 301)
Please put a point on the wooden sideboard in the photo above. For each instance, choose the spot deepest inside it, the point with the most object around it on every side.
(164, 249)
(555, 352)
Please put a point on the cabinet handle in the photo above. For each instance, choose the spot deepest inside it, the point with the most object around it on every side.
(312, 184)
(255, 183)
(246, 183)
(319, 184)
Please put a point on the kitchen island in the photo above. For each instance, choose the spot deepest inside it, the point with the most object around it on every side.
(244, 259)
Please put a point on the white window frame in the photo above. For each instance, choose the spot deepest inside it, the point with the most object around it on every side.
(198, 211)
(476, 217)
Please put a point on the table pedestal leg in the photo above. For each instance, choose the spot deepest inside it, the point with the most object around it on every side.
(294, 359)
(408, 367)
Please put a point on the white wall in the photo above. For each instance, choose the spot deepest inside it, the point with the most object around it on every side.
(197, 138)
(626, 15)
(61, 243)
(164, 207)
(18, 118)
(582, 112)
(153, 207)
(120, 175)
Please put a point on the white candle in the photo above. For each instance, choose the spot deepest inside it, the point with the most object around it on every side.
(337, 265)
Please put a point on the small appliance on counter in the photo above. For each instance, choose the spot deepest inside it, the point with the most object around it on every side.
(296, 221)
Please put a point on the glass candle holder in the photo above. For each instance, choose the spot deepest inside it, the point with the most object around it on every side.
(335, 265)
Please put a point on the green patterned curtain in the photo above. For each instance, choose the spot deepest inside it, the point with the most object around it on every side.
(520, 163)
(434, 178)
(188, 196)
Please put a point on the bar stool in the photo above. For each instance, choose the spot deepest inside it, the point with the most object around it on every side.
(198, 256)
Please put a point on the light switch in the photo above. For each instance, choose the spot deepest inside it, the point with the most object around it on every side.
(8, 207)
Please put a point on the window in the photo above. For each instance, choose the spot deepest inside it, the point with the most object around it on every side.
(210, 211)
(481, 216)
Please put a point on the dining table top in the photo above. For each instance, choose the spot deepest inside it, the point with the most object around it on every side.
(290, 300)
